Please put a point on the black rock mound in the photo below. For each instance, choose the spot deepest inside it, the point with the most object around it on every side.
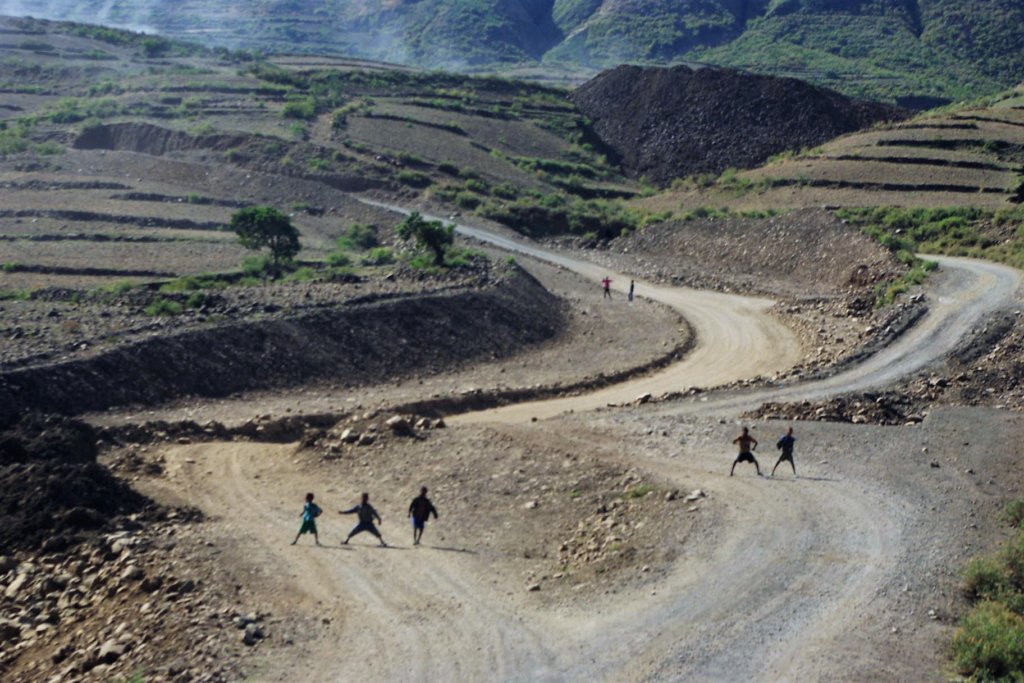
(661, 124)
(52, 490)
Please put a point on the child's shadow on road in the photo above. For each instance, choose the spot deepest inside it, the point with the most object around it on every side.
(467, 551)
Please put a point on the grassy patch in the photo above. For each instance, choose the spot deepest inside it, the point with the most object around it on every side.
(378, 256)
(164, 307)
(1014, 513)
(192, 283)
(956, 231)
(639, 491)
(989, 645)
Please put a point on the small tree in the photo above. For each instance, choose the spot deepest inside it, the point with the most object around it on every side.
(431, 235)
(263, 226)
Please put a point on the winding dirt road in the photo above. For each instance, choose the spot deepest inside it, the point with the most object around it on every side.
(795, 584)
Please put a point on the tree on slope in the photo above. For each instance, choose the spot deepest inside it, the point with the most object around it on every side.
(260, 227)
(431, 235)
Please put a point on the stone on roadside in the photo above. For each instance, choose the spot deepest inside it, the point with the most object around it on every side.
(10, 631)
(16, 586)
(111, 651)
(251, 634)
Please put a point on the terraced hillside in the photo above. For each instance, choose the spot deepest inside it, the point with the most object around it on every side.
(122, 160)
(969, 156)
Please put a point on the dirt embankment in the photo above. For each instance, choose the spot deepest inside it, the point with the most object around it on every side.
(51, 488)
(669, 123)
(360, 344)
(253, 152)
(802, 254)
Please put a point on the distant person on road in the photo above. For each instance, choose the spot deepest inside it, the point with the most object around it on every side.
(631, 287)
(420, 510)
(310, 511)
(366, 516)
(747, 444)
(607, 282)
(786, 443)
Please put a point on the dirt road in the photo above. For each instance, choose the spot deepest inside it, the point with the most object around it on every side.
(824, 578)
(736, 338)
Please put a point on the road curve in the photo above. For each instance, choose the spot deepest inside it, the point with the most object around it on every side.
(735, 337)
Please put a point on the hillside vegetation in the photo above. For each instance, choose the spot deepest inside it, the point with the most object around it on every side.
(913, 52)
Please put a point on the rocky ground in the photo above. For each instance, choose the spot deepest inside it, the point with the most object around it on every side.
(985, 370)
(97, 580)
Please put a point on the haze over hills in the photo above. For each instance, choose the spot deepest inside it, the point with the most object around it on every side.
(882, 49)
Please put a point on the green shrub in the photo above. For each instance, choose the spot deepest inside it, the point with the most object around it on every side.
(359, 237)
(304, 109)
(304, 274)
(339, 259)
(379, 256)
(197, 300)
(448, 168)
(257, 266)
(120, 287)
(414, 179)
(985, 578)
(467, 200)
(1014, 513)
(989, 645)
(164, 307)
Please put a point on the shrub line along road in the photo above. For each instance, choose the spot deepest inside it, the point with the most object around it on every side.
(807, 596)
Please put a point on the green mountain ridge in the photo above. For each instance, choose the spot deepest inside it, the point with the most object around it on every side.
(931, 50)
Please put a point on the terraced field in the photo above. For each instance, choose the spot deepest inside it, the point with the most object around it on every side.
(119, 162)
(972, 156)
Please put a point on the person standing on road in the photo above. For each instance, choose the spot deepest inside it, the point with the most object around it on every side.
(607, 282)
(747, 444)
(366, 515)
(420, 510)
(631, 287)
(310, 512)
(786, 443)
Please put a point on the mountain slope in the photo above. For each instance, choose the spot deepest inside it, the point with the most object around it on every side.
(939, 50)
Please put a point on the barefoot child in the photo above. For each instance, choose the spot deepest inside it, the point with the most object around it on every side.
(309, 514)
(420, 510)
(747, 444)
